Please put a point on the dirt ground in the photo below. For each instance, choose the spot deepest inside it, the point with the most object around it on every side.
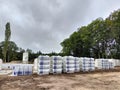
(78, 81)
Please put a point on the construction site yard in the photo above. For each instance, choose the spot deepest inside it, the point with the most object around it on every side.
(101, 80)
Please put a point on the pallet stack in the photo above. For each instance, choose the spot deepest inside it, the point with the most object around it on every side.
(68, 64)
(22, 69)
(56, 65)
(87, 64)
(43, 65)
(77, 64)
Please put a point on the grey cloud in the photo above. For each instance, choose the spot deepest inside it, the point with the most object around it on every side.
(43, 24)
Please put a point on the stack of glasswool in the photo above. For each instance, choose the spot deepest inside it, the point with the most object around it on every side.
(69, 64)
(116, 62)
(77, 64)
(1, 64)
(111, 63)
(35, 65)
(7, 66)
(56, 64)
(43, 65)
(104, 64)
(87, 64)
(22, 69)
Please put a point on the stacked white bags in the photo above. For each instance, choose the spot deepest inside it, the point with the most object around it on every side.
(77, 64)
(104, 64)
(68, 64)
(23, 69)
(91, 64)
(1, 64)
(87, 64)
(56, 64)
(35, 65)
(8, 66)
(100, 63)
(111, 63)
(43, 65)
(117, 62)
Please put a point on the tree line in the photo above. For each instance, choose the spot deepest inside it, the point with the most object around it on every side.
(99, 39)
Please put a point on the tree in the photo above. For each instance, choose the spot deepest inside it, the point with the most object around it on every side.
(12, 50)
(99, 39)
(7, 39)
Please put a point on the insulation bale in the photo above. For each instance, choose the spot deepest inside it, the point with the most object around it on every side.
(1, 61)
(91, 64)
(102, 64)
(35, 65)
(9, 66)
(22, 69)
(68, 64)
(25, 57)
(99, 63)
(25, 70)
(15, 71)
(111, 63)
(43, 65)
(117, 62)
(87, 64)
(77, 64)
(106, 64)
(30, 70)
(56, 64)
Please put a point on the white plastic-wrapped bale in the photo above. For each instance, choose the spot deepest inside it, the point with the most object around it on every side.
(91, 64)
(84, 62)
(111, 64)
(22, 69)
(56, 64)
(117, 62)
(106, 64)
(77, 64)
(87, 64)
(7, 66)
(68, 64)
(25, 57)
(35, 65)
(43, 65)
(1, 64)
(98, 63)
(102, 64)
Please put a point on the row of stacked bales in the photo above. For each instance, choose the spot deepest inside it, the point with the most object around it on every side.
(70, 64)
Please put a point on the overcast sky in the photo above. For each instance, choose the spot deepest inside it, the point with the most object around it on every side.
(44, 24)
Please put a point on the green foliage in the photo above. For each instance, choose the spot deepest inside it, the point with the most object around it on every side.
(7, 38)
(11, 50)
(99, 39)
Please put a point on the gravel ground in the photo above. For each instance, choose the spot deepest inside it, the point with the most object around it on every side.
(100, 80)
